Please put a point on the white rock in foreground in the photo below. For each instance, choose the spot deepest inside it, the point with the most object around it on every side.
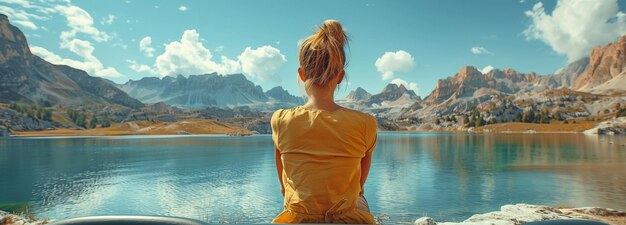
(524, 213)
(12, 219)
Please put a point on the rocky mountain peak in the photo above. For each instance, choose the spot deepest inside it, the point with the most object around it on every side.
(279, 94)
(468, 73)
(390, 88)
(13, 44)
(605, 63)
(359, 94)
(510, 72)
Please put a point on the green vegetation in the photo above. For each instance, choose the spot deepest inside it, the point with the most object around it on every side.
(79, 118)
(88, 121)
(16, 207)
(34, 112)
(476, 118)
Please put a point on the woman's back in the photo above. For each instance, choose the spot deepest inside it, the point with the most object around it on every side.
(323, 151)
(321, 154)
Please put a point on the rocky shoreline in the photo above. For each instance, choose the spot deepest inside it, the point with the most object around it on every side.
(525, 213)
(508, 215)
(20, 219)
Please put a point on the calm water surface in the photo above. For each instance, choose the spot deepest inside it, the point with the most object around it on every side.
(232, 179)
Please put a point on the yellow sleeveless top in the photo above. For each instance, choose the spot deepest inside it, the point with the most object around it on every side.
(321, 153)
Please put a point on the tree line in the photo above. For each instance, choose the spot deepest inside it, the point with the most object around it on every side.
(34, 112)
(86, 120)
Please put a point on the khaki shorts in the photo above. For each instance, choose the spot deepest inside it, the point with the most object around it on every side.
(360, 214)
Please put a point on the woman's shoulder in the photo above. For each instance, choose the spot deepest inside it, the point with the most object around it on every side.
(364, 116)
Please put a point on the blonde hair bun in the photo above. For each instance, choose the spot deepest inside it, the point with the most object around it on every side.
(322, 55)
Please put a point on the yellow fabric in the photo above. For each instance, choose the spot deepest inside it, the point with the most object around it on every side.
(321, 153)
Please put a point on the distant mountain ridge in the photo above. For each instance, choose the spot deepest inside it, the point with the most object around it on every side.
(25, 77)
(359, 94)
(469, 80)
(278, 94)
(199, 91)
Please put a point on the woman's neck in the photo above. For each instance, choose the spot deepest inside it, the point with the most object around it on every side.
(321, 99)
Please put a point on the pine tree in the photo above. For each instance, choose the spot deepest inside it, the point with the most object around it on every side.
(81, 120)
(93, 122)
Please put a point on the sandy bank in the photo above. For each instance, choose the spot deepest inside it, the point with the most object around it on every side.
(517, 127)
(149, 128)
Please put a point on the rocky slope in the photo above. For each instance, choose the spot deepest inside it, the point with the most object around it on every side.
(15, 121)
(605, 63)
(566, 77)
(25, 77)
(199, 91)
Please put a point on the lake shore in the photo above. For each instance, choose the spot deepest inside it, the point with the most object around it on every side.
(188, 127)
(508, 214)
(185, 127)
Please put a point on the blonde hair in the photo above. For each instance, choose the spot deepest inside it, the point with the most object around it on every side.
(322, 56)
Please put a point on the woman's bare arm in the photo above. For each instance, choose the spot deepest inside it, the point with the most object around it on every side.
(279, 169)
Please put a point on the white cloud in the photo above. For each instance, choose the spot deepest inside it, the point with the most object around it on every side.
(20, 17)
(392, 62)
(108, 20)
(487, 69)
(182, 8)
(145, 46)
(479, 50)
(409, 85)
(219, 48)
(22, 3)
(189, 56)
(138, 67)
(262, 62)
(79, 21)
(84, 49)
(576, 26)
(27, 24)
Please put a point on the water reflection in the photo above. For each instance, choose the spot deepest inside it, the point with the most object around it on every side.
(452, 176)
(232, 179)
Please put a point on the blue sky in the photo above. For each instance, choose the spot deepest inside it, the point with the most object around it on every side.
(424, 40)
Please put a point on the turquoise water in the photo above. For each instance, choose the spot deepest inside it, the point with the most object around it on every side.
(232, 179)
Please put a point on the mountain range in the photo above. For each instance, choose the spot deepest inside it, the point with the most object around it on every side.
(591, 86)
(585, 87)
(200, 91)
